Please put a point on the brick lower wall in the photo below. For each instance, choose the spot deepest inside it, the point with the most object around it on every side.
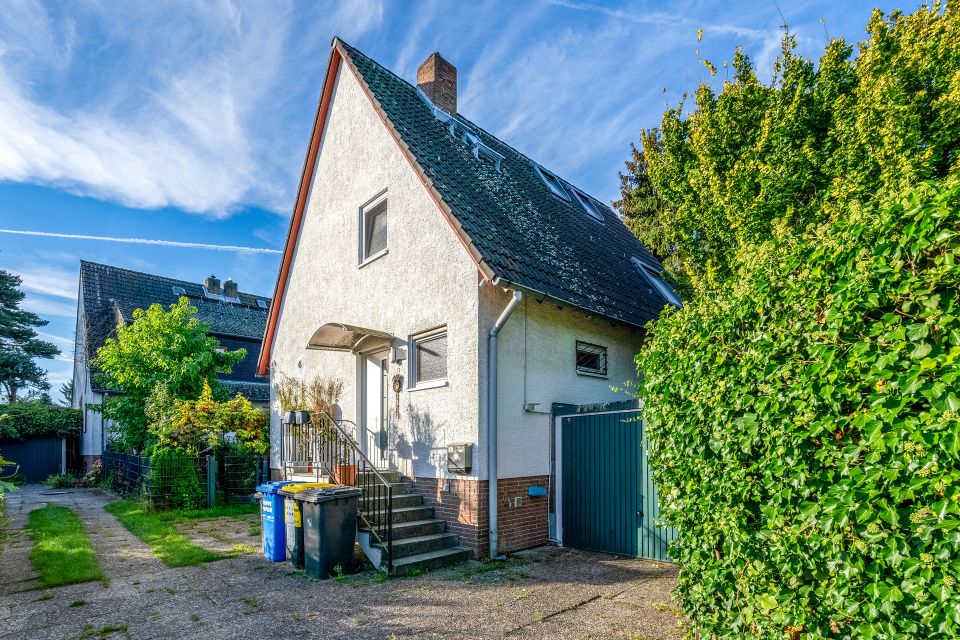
(89, 462)
(465, 510)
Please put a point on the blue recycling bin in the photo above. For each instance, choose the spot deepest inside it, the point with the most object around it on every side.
(271, 519)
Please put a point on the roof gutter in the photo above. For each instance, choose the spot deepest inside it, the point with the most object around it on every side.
(492, 416)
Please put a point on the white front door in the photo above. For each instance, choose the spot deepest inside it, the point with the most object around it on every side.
(375, 410)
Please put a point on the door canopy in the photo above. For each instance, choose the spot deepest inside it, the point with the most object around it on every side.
(335, 336)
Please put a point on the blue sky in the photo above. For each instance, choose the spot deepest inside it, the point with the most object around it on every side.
(188, 121)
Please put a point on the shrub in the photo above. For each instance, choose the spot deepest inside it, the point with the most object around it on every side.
(805, 432)
(61, 481)
(174, 479)
(25, 420)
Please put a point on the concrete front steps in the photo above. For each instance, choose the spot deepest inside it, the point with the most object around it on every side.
(420, 541)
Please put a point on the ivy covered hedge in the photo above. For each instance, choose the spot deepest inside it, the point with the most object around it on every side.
(805, 432)
(23, 420)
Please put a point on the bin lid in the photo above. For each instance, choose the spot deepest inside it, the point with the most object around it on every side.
(271, 488)
(296, 488)
(329, 493)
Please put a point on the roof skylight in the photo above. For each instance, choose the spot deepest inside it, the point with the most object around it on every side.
(179, 291)
(261, 303)
(588, 205)
(471, 137)
(551, 181)
(656, 281)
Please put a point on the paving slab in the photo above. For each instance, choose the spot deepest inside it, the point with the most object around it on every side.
(544, 593)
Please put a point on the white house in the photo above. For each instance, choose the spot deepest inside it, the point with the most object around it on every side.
(426, 253)
(109, 295)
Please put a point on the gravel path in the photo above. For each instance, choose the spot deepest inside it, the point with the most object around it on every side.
(545, 593)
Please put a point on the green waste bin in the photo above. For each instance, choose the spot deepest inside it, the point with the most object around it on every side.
(292, 519)
(329, 529)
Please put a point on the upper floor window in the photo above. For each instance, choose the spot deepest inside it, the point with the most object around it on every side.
(655, 280)
(373, 228)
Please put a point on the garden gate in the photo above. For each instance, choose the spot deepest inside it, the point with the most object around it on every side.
(607, 499)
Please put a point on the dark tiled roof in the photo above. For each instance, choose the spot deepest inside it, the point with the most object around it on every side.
(111, 295)
(252, 391)
(528, 236)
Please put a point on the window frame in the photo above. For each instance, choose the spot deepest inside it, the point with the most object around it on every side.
(592, 373)
(655, 280)
(413, 354)
(379, 204)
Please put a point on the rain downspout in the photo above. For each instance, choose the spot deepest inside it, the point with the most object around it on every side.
(492, 417)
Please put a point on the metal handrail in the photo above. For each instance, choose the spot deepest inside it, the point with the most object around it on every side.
(379, 492)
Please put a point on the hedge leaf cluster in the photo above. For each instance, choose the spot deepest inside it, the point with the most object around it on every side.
(805, 431)
(37, 420)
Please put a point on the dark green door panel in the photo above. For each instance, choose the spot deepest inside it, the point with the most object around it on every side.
(609, 500)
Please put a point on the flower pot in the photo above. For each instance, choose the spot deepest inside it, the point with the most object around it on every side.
(289, 417)
(346, 474)
(302, 417)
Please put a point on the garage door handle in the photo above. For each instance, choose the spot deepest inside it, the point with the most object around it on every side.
(640, 514)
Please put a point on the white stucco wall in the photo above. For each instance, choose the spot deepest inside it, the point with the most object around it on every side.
(91, 438)
(536, 363)
(425, 280)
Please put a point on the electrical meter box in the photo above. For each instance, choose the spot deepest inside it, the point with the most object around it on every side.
(460, 457)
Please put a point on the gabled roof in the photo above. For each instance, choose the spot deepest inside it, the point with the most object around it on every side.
(520, 233)
(111, 295)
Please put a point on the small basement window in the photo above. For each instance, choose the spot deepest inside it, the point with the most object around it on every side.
(588, 205)
(429, 361)
(656, 281)
(551, 181)
(591, 359)
(373, 229)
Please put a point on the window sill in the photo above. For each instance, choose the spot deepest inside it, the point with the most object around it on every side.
(593, 375)
(372, 258)
(433, 384)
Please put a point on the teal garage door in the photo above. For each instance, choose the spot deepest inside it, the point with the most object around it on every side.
(608, 497)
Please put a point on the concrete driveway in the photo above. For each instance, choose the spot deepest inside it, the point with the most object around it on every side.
(544, 593)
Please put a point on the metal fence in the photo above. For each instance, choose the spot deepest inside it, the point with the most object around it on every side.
(176, 482)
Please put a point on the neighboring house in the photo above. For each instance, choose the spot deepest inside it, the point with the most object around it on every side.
(413, 231)
(110, 295)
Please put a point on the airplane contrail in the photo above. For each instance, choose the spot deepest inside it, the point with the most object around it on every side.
(163, 243)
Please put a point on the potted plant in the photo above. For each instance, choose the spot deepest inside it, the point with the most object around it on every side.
(292, 398)
(323, 395)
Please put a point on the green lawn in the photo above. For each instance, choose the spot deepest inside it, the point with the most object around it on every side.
(62, 553)
(158, 530)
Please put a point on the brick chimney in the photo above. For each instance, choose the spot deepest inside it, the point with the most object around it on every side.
(229, 288)
(212, 283)
(438, 79)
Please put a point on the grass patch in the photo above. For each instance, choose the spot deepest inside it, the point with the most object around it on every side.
(62, 553)
(238, 511)
(157, 530)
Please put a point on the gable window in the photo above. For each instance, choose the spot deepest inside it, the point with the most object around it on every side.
(551, 181)
(373, 229)
(588, 205)
(591, 359)
(429, 359)
(656, 282)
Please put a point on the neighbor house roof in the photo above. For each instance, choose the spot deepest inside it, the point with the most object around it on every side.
(111, 295)
(520, 232)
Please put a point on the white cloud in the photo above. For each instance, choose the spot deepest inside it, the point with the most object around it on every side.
(184, 107)
(45, 307)
(50, 281)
